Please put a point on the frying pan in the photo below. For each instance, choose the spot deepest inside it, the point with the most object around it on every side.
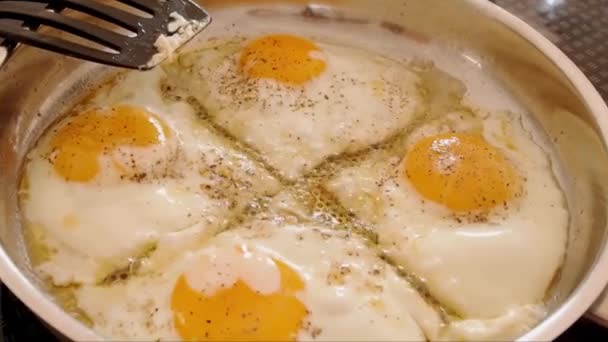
(36, 86)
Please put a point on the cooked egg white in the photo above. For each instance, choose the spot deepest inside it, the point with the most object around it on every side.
(470, 206)
(266, 280)
(298, 101)
(104, 184)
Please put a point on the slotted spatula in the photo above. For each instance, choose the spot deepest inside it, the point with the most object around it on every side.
(137, 46)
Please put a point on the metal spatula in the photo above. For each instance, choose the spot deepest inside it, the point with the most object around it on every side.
(139, 25)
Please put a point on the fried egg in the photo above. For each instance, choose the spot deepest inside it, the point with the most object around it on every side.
(298, 101)
(266, 280)
(105, 183)
(470, 205)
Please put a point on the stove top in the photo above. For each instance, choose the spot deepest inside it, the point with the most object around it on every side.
(18, 323)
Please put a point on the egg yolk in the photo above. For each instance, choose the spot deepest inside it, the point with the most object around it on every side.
(79, 143)
(284, 58)
(461, 171)
(239, 313)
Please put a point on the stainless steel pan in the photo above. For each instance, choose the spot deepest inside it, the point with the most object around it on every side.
(36, 85)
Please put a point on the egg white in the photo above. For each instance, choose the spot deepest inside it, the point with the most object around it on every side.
(92, 228)
(360, 99)
(493, 275)
(369, 302)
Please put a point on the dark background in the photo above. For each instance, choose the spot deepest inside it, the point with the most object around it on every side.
(578, 27)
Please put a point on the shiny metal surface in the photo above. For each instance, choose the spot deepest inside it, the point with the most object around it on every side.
(35, 86)
(580, 29)
(133, 48)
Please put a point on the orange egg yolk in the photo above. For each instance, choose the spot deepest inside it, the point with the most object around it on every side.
(284, 58)
(461, 171)
(239, 313)
(79, 143)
